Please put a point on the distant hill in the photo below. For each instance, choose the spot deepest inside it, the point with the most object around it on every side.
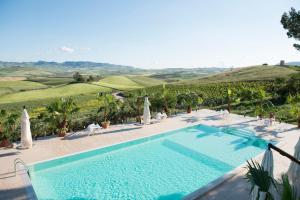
(42, 68)
(261, 72)
(295, 63)
(66, 69)
(179, 74)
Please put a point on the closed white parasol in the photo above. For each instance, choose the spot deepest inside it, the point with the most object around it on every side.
(146, 115)
(294, 170)
(267, 164)
(26, 139)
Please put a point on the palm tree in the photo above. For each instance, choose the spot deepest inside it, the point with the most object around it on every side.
(126, 110)
(295, 106)
(263, 103)
(60, 111)
(231, 98)
(189, 100)
(169, 100)
(139, 104)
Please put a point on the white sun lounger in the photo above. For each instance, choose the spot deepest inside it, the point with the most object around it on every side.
(93, 128)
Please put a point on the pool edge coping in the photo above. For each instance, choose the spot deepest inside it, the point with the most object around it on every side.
(217, 182)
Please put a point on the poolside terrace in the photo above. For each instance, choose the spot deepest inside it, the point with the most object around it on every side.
(233, 187)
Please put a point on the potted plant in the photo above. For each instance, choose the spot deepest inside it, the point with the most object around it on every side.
(188, 100)
(108, 104)
(8, 126)
(60, 111)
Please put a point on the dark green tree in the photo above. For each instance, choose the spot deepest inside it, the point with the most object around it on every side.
(291, 22)
(78, 77)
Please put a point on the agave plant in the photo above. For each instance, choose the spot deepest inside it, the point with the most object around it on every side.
(257, 176)
(288, 191)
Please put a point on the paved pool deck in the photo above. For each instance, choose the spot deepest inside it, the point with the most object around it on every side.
(234, 188)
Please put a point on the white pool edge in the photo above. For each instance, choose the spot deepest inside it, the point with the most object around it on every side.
(109, 145)
(217, 182)
(30, 193)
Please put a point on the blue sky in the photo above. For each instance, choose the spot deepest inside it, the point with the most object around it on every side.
(149, 34)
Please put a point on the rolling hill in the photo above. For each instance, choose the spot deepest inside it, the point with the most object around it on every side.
(43, 68)
(253, 73)
(7, 87)
(67, 69)
(54, 92)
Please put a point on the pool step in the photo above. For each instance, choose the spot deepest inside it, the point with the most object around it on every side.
(239, 132)
(195, 155)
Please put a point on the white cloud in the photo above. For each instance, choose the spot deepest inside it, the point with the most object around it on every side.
(85, 49)
(66, 49)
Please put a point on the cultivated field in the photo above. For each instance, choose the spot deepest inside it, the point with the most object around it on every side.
(55, 92)
(7, 87)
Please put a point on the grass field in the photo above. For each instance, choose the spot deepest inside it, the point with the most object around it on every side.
(7, 87)
(43, 89)
(119, 83)
(52, 81)
(24, 71)
(62, 91)
(128, 82)
(146, 81)
(12, 78)
(254, 73)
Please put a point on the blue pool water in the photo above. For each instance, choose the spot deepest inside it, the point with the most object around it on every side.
(164, 167)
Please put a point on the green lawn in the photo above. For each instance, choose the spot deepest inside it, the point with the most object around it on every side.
(7, 87)
(63, 91)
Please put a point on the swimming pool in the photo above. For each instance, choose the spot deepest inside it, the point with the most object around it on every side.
(165, 166)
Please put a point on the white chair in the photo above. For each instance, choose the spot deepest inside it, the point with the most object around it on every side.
(226, 114)
(164, 116)
(92, 128)
(220, 114)
(158, 116)
(267, 122)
